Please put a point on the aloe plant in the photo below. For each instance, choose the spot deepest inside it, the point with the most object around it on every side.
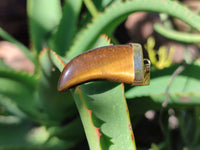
(34, 115)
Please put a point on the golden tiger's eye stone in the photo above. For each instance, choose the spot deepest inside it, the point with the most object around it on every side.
(120, 63)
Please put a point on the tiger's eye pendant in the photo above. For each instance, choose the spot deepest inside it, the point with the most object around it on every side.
(120, 63)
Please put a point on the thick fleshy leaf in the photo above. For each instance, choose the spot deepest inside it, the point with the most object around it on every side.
(175, 35)
(20, 87)
(22, 76)
(73, 131)
(26, 136)
(67, 27)
(115, 14)
(57, 60)
(9, 131)
(59, 106)
(103, 110)
(44, 16)
(104, 113)
(101, 5)
(102, 41)
(9, 107)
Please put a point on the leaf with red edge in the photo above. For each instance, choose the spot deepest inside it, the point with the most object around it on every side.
(102, 41)
(57, 60)
(104, 113)
(59, 106)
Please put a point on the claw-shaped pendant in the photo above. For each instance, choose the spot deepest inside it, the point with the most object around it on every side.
(120, 63)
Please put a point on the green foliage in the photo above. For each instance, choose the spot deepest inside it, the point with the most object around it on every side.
(34, 115)
(184, 90)
(103, 111)
(43, 20)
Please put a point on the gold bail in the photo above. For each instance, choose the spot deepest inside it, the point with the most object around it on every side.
(141, 66)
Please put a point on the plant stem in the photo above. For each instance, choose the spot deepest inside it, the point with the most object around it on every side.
(91, 7)
(176, 73)
(175, 35)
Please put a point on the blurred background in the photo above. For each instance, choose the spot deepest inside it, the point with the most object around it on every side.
(137, 28)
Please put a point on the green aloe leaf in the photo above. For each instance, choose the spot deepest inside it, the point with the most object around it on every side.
(68, 25)
(176, 35)
(73, 131)
(102, 41)
(22, 76)
(44, 16)
(9, 132)
(103, 4)
(59, 106)
(8, 107)
(13, 84)
(26, 102)
(109, 19)
(57, 60)
(29, 137)
(184, 90)
(104, 113)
